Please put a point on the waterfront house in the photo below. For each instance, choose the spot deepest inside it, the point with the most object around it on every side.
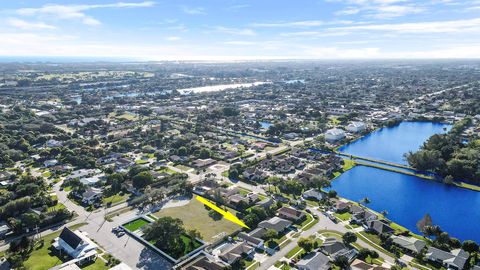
(361, 215)
(340, 206)
(379, 227)
(356, 127)
(409, 244)
(455, 259)
(313, 194)
(334, 135)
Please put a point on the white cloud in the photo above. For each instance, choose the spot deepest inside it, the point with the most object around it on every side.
(173, 38)
(240, 43)
(237, 7)
(235, 31)
(340, 53)
(301, 24)
(455, 26)
(24, 25)
(380, 9)
(76, 12)
(194, 10)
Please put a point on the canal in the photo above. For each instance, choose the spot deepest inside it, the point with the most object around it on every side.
(408, 198)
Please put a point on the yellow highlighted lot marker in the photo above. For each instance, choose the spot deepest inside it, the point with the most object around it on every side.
(227, 215)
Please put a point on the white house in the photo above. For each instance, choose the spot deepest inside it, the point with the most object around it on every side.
(50, 163)
(356, 127)
(335, 134)
(313, 193)
(77, 245)
(54, 143)
(93, 180)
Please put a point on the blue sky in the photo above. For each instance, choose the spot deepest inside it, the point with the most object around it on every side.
(241, 29)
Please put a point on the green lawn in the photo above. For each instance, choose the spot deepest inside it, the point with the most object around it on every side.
(293, 252)
(468, 186)
(116, 198)
(348, 164)
(195, 216)
(136, 224)
(183, 168)
(97, 265)
(344, 216)
(58, 206)
(188, 246)
(45, 257)
(165, 170)
(141, 161)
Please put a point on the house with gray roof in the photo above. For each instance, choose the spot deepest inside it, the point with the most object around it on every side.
(379, 227)
(334, 248)
(314, 261)
(275, 223)
(455, 259)
(235, 252)
(251, 240)
(410, 244)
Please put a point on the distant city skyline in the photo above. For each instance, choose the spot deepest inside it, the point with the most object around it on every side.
(241, 30)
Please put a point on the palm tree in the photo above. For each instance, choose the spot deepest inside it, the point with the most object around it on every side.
(365, 200)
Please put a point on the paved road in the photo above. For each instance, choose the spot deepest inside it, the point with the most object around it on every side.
(124, 248)
(324, 223)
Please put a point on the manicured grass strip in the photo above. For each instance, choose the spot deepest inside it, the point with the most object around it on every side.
(136, 224)
(293, 252)
(468, 186)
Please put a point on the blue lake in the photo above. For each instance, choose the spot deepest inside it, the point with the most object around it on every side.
(407, 198)
(389, 144)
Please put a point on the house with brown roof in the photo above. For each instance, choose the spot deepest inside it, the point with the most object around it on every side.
(290, 214)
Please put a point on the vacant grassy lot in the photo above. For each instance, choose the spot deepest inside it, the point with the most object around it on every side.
(195, 216)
